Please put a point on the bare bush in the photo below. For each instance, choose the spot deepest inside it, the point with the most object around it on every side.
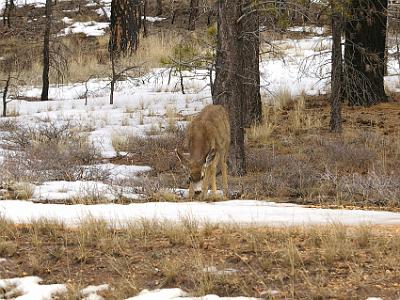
(346, 157)
(281, 175)
(371, 189)
(49, 151)
(159, 188)
(157, 151)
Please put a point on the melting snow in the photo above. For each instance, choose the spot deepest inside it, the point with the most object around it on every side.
(154, 19)
(28, 288)
(90, 28)
(214, 270)
(90, 292)
(65, 190)
(241, 212)
(309, 29)
(178, 294)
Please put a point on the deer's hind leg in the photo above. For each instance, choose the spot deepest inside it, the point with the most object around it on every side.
(224, 173)
(191, 191)
(205, 184)
(213, 174)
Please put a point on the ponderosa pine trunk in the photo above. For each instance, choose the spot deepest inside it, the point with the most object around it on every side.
(5, 93)
(365, 52)
(144, 17)
(337, 70)
(227, 87)
(193, 14)
(46, 52)
(250, 59)
(159, 8)
(125, 26)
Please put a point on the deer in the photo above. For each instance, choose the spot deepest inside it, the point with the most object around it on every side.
(208, 140)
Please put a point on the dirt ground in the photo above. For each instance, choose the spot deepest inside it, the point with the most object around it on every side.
(334, 262)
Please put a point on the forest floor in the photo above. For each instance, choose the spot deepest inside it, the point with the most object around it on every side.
(93, 194)
(332, 261)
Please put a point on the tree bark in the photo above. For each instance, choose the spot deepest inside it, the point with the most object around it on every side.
(125, 25)
(144, 15)
(193, 14)
(9, 8)
(228, 87)
(365, 52)
(250, 58)
(46, 52)
(159, 8)
(336, 71)
(5, 13)
(5, 92)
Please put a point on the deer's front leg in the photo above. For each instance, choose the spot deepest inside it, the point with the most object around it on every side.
(205, 184)
(224, 171)
(213, 174)
(191, 191)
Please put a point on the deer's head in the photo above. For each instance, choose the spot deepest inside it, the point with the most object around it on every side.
(196, 167)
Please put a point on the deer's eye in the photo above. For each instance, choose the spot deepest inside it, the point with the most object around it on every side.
(190, 178)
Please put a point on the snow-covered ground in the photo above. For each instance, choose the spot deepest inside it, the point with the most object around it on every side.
(242, 212)
(143, 105)
(29, 288)
(297, 66)
(66, 190)
(90, 28)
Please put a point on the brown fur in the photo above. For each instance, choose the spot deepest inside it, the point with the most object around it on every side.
(208, 139)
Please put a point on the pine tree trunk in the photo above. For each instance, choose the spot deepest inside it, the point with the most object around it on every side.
(228, 87)
(250, 58)
(5, 13)
(193, 14)
(46, 52)
(10, 10)
(159, 8)
(143, 18)
(125, 26)
(365, 52)
(336, 72)
(5, 92)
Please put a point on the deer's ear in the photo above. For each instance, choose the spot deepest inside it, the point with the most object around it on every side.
(210, 156)
(181, 157)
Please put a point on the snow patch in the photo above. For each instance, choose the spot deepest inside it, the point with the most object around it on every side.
(118, 172)
(67, 20)
(66, 190)
(308, 29)
(241, 212)
(90, 292)
(178, 294)
(153, 19)
(29, 288)
(214, 270)
(90, 28)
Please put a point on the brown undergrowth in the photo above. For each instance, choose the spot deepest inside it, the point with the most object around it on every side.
(292, 156)
(278, 263)
(301, 160)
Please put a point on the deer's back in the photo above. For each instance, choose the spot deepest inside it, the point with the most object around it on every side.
(210, 128)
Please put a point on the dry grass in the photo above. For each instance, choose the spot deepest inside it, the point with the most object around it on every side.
(78, 57)
(332, 261)
(292, 156)
(155, 150)
(50, 150)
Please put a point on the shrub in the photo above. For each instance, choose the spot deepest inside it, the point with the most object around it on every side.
(157, 151)
(49, 151)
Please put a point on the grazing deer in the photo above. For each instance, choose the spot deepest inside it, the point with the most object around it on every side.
(208, 139)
